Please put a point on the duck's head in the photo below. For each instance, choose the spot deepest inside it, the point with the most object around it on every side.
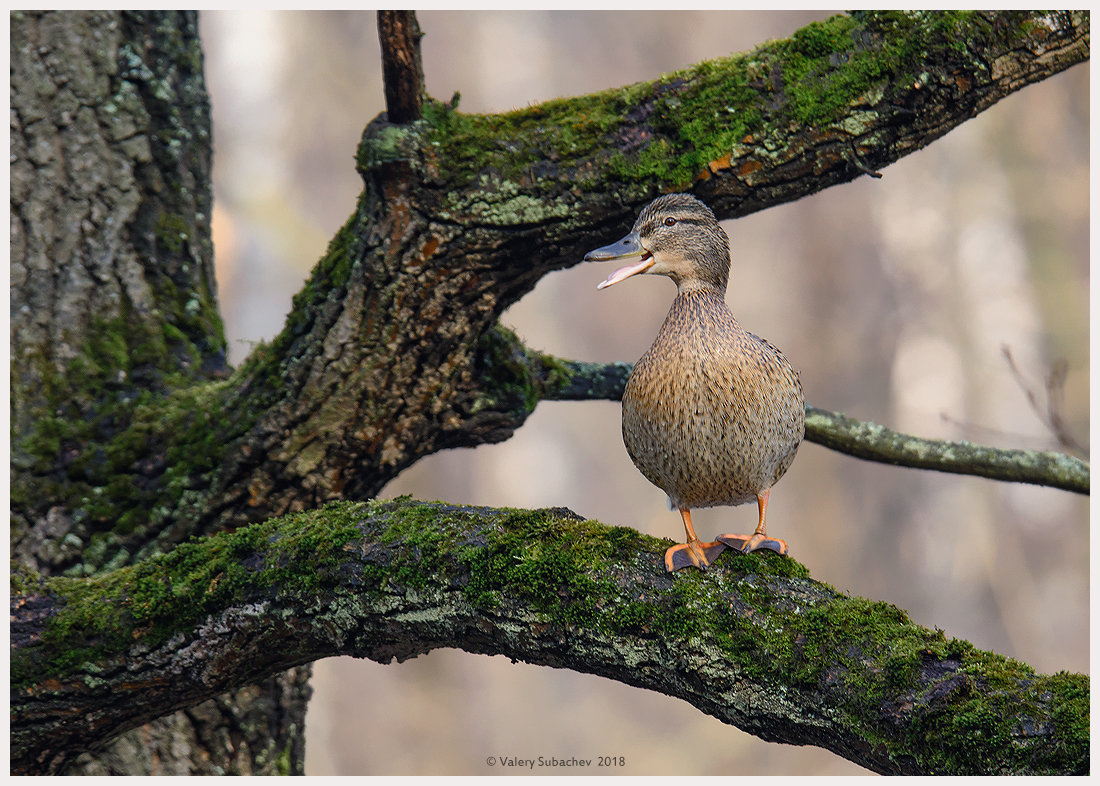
(677, 236)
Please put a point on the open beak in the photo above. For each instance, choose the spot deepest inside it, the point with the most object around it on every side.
(629, 247)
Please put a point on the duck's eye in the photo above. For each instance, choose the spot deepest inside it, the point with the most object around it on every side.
(670, 221)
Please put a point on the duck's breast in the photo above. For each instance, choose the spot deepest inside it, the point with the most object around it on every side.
(711, 413)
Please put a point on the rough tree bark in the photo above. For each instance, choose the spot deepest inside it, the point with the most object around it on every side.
(754, 641)
(130, 436)
(113, 300)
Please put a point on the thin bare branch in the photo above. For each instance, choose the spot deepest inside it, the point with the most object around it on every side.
(873, 442)
(864, 439)
(1051, 414)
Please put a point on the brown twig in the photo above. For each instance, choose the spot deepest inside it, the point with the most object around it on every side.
(402, 70)
(1051, 414)
(860, 165)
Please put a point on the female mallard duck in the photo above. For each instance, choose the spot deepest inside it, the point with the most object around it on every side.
(712, 414)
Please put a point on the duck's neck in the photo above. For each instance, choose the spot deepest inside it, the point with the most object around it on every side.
(697, 286)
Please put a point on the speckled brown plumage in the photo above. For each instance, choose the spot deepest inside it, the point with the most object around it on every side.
(712, 414)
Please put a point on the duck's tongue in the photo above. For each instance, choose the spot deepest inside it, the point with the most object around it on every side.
(644, 264)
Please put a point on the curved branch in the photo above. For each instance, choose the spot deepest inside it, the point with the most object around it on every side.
(753, 641)
(786, 120)
(862, 439)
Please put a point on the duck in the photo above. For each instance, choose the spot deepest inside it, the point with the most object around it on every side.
(711, 414)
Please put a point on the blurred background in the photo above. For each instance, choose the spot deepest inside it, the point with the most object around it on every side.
(895, 298)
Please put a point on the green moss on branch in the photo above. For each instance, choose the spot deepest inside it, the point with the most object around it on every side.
(395, 578)
(665, 134)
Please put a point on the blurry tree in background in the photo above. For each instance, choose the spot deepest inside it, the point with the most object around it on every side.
(893, 301)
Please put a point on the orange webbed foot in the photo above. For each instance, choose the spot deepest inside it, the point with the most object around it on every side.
(749, 543)
(694, 553)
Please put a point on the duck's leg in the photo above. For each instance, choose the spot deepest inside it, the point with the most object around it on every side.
(759, 539)
(694, 552)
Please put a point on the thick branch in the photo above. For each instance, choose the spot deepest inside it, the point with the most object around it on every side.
(753, 641)
(747, 132)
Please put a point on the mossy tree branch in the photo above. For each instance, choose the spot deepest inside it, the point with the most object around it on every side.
(754, 641)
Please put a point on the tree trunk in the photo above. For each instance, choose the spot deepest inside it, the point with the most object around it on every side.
(113, 300)
(130, 436)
